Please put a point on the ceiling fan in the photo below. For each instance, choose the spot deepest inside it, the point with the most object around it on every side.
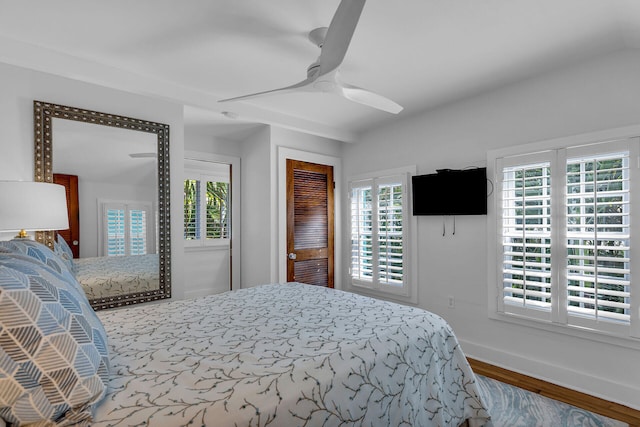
(323, 75)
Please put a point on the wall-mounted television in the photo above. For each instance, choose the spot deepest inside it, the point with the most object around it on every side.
(450, 192)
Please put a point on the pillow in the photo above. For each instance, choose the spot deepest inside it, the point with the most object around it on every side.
(61, 247)
(54, 362)
(35, 250)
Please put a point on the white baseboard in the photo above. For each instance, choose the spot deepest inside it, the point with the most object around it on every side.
(584, 382)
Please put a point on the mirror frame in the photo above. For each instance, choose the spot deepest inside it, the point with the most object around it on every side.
(44, 113)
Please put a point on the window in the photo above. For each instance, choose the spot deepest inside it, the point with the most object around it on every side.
(126, 229)
(565, 240)
(380, 221)
(598, 237)
(206, 209)
(526, 235)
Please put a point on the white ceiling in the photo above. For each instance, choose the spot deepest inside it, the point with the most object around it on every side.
(420, 53)
(102, 154)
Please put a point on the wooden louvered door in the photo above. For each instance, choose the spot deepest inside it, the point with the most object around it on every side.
(72, 234)
(310, 221)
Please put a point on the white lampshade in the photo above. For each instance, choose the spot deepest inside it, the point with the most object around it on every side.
(31, 206)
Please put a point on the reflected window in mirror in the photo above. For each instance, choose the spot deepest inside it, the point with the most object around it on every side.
(126, 228)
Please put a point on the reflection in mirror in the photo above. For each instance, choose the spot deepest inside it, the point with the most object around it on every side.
(110, 175)
(116, 173)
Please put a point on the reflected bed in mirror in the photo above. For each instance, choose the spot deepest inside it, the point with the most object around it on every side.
(116, 170)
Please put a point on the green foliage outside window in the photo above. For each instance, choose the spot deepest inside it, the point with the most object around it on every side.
(215, 209)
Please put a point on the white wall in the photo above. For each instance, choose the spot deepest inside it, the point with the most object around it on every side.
(256, 199)
(207, 270)
(598, 94)
(20, 87)
(195, 140)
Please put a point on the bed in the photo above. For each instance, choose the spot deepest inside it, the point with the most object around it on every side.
(109, 276)
(272, 355)
(285, 355)
(103, 277)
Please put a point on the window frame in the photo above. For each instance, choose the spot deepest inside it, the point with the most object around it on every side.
(207, 176)
(408, 292)
(542, 158)
(558, 151)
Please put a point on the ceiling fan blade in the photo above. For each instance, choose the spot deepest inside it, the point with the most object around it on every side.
(339, 35)
(365, 97)
(300, 85)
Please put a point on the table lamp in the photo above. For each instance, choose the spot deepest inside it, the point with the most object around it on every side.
(32, 206)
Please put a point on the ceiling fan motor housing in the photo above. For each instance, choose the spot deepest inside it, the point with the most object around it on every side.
(318, 35)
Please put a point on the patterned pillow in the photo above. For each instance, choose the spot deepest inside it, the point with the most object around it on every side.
(61, 247)
(54, 362)
(35, 250)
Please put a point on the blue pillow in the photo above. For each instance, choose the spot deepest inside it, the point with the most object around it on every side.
(36, 250)
(54, 362)
(61, 247)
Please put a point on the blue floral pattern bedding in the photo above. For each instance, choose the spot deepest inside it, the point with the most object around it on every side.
(103, 277)
(285, 355)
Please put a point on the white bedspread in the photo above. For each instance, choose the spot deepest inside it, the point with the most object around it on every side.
(103, 277)
(285, 355)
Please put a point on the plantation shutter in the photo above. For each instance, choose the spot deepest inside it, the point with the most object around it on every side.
(390, 231)
(217, 200)
(137, 232)
(565, 224)
(115, 219)
(192, 209)
(126, 229)
(526, 235)
(362, 231)
(206, 209)
(598, 235)
(378, 218)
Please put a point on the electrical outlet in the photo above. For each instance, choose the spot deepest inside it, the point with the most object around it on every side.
(452, 301)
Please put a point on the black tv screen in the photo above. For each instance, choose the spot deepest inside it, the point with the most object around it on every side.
(450, 192)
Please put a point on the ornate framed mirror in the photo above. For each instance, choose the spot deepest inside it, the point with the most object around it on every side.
(121, 170)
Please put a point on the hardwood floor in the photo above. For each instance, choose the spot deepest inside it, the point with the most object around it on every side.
(562, 394)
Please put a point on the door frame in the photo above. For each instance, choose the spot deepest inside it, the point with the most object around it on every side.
(234, 162)
(285, 153)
